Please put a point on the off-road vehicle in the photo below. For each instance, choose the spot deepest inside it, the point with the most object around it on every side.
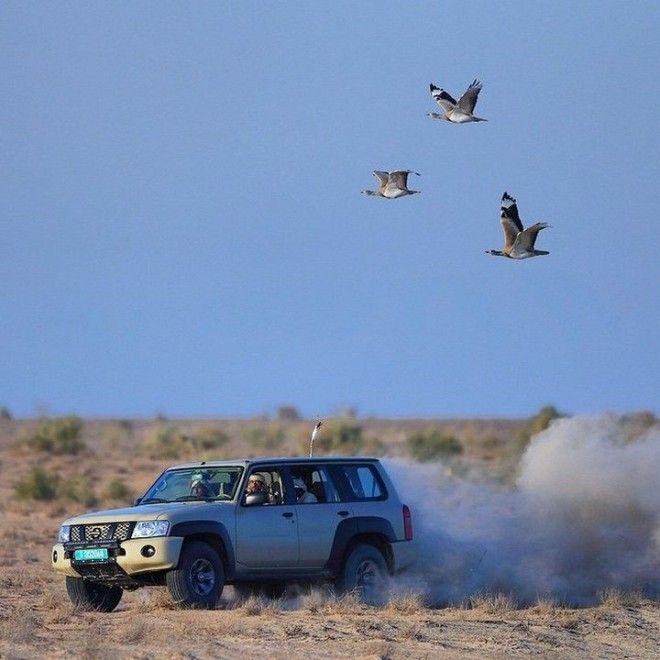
(257, 524)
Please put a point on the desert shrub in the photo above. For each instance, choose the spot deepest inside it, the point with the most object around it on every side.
(342, 437)
(167, 442)
(126, 426)
(78, 488)
(433, 446)
(117, 490)
(5, 413)
(38, 485)
(264, 439)
(58, 436)
(207, 440)
(288, 414)
(537, 423)
(347, 438)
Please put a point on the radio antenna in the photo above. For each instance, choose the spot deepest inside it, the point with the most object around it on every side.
(315, 432)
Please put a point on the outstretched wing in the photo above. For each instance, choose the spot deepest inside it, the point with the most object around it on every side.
(442, 98)
(469, 98)
(526, 239)
(509, 210)
(382, 177)
(399, 178)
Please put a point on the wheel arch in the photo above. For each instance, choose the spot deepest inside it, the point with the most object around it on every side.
(212, 533)
(373, 531)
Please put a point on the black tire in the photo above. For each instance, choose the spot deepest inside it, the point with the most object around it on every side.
(92, 596)
(198, 580)
(365, 573)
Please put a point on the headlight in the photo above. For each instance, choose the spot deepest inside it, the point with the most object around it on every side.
(150, 528)
(65, 534)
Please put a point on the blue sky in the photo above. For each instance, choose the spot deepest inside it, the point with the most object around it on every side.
(182, 229)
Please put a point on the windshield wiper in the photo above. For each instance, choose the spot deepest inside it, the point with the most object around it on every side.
(193, 498)
(154, 500)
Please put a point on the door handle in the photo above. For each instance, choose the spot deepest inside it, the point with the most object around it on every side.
(342, 513)
(288, 514)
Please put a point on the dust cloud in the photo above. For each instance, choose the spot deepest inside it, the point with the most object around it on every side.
(582, 518)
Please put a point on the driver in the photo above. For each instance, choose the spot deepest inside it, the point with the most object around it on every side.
(256, 484)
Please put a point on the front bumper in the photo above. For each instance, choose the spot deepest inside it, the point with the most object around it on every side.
(127, 555)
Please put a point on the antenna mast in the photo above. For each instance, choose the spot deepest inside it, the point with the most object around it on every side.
(315, 432)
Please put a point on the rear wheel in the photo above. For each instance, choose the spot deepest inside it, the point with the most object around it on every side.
(365, 573)
(92, 596)
(198, 580)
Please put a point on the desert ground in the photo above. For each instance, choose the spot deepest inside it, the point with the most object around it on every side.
(117, 459)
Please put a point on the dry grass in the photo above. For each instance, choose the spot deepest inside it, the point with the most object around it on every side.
(618, 598)
(490, 603)
(409, 602)
(20, 624)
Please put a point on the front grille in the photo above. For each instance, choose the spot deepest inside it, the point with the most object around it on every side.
(101, 532)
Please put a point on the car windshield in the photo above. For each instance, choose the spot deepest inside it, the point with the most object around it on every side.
(190, 484)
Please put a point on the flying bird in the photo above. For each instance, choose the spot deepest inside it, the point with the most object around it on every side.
(456, 112)
(392, 184)
(518, 242)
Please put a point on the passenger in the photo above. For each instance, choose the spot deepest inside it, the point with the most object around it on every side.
(200, 487)
(303, 496)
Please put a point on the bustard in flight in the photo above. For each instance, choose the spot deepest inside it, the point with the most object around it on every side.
(518, 242)
(457, 113)
(392, 184)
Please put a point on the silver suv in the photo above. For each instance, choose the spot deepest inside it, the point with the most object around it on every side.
(256, 524)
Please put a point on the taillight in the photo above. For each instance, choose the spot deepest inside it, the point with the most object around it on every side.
(407, 523)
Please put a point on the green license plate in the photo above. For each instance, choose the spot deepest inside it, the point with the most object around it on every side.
(91, 554)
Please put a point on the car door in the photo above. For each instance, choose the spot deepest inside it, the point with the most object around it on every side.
(318, 521)
(267, 534)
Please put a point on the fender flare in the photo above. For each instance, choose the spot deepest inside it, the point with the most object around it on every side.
(348, 529)
(193, 527)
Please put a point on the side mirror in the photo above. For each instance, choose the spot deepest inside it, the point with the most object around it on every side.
(256, 499)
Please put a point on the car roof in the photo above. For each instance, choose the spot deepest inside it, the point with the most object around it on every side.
(280, 460)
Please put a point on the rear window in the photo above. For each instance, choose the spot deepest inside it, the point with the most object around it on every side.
(360, 482)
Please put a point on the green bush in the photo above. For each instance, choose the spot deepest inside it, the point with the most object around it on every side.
(537, 423)
(288, 414)
(167, 442)
(264, 439)
(117, 490)
(342, 437)
(78, 489)
(207, 440)
(433, 446)
(38, 485)
(59, 436)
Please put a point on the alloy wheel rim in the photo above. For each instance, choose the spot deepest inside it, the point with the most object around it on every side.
(202, 577)
(368, 573)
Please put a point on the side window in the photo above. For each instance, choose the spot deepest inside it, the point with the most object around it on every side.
(362, 482)
(266, 480)
(312, 484)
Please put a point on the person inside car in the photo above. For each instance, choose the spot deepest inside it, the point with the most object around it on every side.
(303, 496)
(256, 484)
(200, 486)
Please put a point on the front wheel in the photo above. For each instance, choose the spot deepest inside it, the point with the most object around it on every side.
(198, 580)
(365, 573)
(92, 596)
